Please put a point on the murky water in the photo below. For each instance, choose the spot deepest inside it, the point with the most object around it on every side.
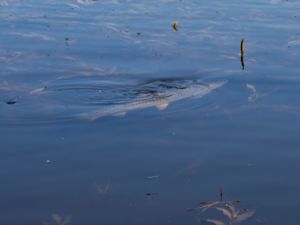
(110, 116)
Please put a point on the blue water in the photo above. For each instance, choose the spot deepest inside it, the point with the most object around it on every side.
(143, 165)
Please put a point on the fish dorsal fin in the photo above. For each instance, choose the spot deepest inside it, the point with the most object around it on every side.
(162, 106)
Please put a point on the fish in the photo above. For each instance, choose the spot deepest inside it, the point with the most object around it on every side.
(166, 93)
(82, 98)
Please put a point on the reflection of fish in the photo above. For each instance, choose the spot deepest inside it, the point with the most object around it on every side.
(166, 93)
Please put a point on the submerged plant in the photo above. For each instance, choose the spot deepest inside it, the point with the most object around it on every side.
(222, 212)
(233, 215)
(60, 220)
(102, 189)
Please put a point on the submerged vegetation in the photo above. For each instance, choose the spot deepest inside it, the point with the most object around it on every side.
(103, 189)
(222, 212)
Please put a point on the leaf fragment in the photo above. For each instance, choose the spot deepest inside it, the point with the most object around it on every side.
(175, 25)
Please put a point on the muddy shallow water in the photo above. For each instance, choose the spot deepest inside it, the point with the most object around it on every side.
(110, 116)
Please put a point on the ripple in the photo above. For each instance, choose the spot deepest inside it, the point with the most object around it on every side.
(94, 97)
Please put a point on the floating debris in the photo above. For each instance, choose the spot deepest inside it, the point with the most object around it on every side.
(175, 25)
(222, 212)
(209, 204)
(228, 209)
(242, 54)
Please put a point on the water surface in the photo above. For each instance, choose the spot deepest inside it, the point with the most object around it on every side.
(60, 60)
